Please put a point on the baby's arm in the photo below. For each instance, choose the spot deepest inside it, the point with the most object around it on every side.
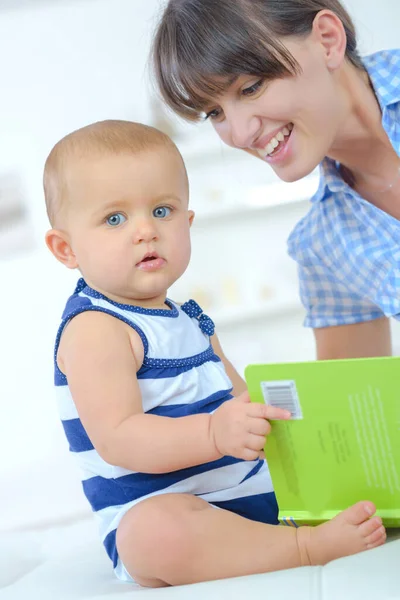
(100, 356)
(238, 383)
(258, 428)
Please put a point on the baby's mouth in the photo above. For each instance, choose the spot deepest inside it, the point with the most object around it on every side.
(149, 256)
(151, 262)
(277, 142)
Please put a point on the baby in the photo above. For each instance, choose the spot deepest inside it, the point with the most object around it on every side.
(169, 445)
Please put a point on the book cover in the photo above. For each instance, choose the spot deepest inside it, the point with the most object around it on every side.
(342, 444)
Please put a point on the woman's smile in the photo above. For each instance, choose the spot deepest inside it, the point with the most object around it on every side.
(273, 148)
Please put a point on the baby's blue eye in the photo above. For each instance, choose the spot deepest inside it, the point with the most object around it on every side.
(116, 219)
(161, 212)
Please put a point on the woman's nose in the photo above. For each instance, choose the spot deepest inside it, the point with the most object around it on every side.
(241, 129)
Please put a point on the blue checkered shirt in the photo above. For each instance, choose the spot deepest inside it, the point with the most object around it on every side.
(347, 249)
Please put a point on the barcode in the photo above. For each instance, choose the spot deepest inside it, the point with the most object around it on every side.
(282, 394)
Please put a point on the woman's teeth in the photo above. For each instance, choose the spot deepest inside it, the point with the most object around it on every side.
(275, 141)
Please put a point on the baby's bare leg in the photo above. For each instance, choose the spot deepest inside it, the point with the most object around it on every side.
(175, 539)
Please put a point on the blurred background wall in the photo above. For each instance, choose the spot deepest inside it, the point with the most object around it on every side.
(68, 63)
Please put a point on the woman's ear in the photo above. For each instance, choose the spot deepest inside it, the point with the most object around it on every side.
(58, 243)
(329, 31)
(191, 217)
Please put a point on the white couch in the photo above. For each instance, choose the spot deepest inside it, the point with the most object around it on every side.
(49, 547)
(68, 563)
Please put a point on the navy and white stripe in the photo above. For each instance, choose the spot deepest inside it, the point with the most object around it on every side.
(181, 375)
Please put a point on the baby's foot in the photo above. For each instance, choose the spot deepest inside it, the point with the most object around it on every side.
(350, 532)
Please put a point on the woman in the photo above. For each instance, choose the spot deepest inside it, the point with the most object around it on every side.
(282, 80)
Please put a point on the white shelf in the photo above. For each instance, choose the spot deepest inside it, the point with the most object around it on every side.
(262, 198)
(207, 152)
(244, 314)
(205, 147)
(243, 211)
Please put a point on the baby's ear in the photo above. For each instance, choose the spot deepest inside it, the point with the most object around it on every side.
(58, 243)
(191, 217)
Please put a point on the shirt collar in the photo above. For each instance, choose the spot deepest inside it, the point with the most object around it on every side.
(383, 69)
(329, 179)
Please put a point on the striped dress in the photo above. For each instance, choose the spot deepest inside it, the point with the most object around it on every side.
(181, 375)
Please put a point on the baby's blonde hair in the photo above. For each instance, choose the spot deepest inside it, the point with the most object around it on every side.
(102, 138)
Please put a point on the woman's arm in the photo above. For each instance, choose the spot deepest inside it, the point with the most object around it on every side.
(370, 338)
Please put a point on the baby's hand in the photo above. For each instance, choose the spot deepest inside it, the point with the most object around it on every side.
(239, 427)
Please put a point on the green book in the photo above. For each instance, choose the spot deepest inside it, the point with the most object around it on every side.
(342, 444)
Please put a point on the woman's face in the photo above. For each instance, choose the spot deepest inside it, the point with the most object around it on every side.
(290, 123)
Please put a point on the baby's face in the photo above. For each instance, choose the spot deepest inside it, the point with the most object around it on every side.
(128, 224)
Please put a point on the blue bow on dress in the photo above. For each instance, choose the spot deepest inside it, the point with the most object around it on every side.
(193, 310)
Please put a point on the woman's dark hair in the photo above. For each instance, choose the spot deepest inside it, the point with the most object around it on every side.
(202, 46)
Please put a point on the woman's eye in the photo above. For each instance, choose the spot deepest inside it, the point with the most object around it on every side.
(115, 219)
(252, 89)
(212, 114)
(161, 212)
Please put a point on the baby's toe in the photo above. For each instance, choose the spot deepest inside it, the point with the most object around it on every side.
(370, 526)
(376, 538)
(358, 513)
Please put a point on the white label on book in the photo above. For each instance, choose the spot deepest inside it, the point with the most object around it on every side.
(282, 394)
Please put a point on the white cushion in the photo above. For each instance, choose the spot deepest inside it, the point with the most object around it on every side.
(69, 563)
